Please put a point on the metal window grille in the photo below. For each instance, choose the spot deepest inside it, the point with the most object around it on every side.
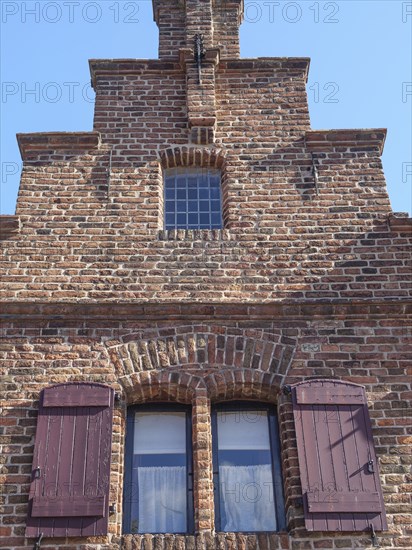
(193, 199)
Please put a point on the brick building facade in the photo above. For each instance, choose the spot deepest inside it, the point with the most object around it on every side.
(298, 301)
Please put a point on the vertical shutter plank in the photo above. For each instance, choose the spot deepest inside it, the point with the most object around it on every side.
(312, 483)
(352, 457)
(65, 467)
(366, 453)
(304, 478)
(36, 488)
(79, 457)
(319, 523)
(375, 478)
(91, 480)
(327, 473)
(340, 462)
(52, 462)
(363, 454)
(104, 463)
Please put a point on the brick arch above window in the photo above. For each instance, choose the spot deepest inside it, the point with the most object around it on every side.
(182, 387)
(243, 384)
(190, 156)
(161, 386)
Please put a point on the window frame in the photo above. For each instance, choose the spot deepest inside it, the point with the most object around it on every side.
(131, 492)
(193, 171)
(276, 459)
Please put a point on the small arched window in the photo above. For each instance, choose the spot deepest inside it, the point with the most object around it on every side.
(193, 198)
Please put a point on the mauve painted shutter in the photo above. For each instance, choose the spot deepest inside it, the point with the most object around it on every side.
(338, 467)
(69, 493)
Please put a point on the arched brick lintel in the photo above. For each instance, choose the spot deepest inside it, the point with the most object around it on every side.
(152, 386)
(234, 383)
(182, 387)
(173, 157)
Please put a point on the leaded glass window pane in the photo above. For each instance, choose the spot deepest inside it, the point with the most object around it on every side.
(193, 199)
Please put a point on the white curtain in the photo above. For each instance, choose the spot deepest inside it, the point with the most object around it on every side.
(246, 496)
(162, 499)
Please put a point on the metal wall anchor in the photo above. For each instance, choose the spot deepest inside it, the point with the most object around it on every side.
(374, 538)
(38, 542)
(287, 390)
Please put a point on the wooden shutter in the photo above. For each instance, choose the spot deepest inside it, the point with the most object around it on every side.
(69, 493)
(337, 462)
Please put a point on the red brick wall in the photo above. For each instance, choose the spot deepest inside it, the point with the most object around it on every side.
(201, 362)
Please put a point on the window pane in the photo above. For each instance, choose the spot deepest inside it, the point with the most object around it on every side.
(193, 220)
(246, 498)
(216, 220)
(160, 432)
(162, 500)
(245, 471)
(243, 430)
(204, 220)
(170, 219)
(214, 193)
(181, 220)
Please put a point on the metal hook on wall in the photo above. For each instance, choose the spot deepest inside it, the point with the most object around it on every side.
(374, 538)
(38, 542)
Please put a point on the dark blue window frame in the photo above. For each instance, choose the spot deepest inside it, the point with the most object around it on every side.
(279, 504)
(131, 490)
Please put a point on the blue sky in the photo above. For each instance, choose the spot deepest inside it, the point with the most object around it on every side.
(360, 75)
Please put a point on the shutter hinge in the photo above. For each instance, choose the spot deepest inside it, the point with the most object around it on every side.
(38, 542)
(287, 390)
(371, 467)
(37, 473)
(374, 538)
(112, 509)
